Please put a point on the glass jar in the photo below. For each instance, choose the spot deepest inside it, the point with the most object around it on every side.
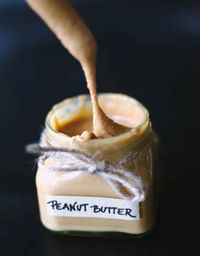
(84, 202)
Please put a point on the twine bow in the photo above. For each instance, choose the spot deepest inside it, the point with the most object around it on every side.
(120, 179)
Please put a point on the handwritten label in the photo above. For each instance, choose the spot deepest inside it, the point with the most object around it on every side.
(92, 207)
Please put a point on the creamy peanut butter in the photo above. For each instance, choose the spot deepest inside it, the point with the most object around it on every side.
(67, 120)
(76, 37)
(99, 127)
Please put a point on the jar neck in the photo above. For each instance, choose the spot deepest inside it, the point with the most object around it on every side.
(108, 148)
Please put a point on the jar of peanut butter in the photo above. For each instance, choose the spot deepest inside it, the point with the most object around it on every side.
(98, 186)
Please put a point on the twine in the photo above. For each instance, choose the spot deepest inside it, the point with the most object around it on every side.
(120, 179)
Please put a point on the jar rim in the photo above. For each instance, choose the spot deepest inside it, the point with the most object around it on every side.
(137, 131)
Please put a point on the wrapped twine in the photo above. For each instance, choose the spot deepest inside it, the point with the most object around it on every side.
(120, 179)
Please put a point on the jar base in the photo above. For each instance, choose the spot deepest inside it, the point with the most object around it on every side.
(103, 234)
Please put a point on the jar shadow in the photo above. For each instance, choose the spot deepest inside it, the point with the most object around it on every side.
(58, 245)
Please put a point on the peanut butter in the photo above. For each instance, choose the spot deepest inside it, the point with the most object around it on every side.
(64, 123)
(76, 37)
(102, 129)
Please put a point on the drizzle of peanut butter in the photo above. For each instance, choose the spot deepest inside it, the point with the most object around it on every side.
(76, 37)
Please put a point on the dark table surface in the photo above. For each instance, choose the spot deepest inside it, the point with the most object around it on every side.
(148, 50)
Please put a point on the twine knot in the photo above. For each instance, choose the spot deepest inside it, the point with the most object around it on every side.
(126, 184)
(100, 166)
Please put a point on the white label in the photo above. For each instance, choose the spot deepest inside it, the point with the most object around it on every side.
(92, 207)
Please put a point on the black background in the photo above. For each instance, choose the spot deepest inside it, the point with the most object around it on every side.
(147, 49)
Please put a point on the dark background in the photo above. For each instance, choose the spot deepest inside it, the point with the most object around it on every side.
(147, 49)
